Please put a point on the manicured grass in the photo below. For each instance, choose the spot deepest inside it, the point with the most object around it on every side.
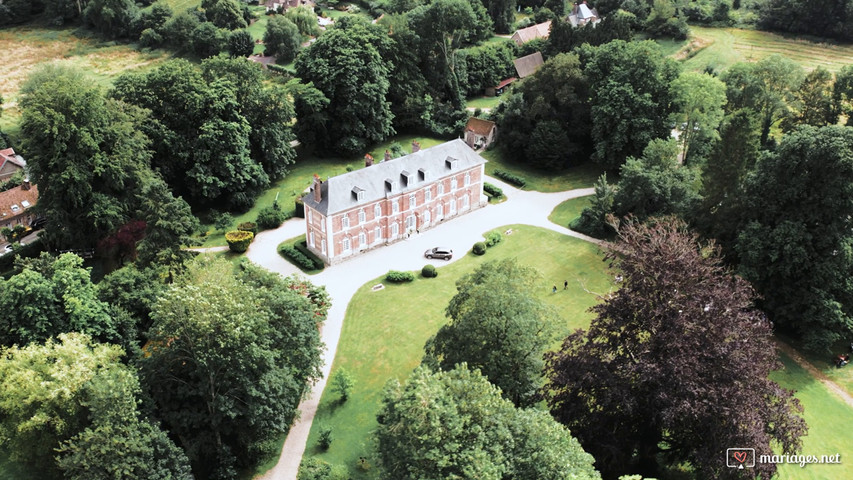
(830, 424)
(301, 175)
(482, 102)
(568, 211)
(384, 331)
(580, 176)
(719, 48)
(179, 6)
(824, 362)
(258, 27)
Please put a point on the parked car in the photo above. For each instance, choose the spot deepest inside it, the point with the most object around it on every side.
(439, 252)
(38, 223)
(7, 248)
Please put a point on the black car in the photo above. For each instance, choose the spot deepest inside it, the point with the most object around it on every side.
(439, 252)
(38, 223)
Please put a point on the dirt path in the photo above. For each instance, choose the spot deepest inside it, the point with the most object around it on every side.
(832, 386)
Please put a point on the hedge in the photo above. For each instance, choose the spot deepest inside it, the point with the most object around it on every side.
(479, 248)
(239, 240)
(297, 257)
(429, 271)
(493, 238)
(302, 247)
(30, 250)
(492, 190)
(399, 277)
(300, 208)
(248, 227)
(510, 177)
(270, 217)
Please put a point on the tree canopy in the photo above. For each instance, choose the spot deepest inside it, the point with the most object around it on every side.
(481, 435)
(661, 369)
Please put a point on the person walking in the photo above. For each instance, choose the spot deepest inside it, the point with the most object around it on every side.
(566, 285)
(554, 290)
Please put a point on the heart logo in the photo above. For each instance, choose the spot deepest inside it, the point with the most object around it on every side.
(739, 456)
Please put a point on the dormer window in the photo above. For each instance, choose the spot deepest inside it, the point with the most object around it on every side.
(390, 185)
(424, 174)
(358, 193)
(25, 204)
(408, 178)
(451, 163)
(15, 208)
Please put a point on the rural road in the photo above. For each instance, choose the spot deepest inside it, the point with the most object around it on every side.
(342, 280)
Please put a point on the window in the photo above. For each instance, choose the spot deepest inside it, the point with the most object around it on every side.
(410, 222)
(361, 216)
(424, 174)
(453, 184)
(452, 206)
(428, 194)
(310, 217)
(15, 208)
(323, 225)
(394, 230)
(377, 234)
(441, 188)
(346, 244)
(25, 203)
(413, 201)
(323, 245)
(467, 179)
(345, 221)
(377, 211)
(311, 239)
(427, 217)
(439, 211)
(465, 202)
(362, 240)
(395, 206)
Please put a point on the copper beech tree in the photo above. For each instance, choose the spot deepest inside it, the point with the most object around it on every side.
(674, 366)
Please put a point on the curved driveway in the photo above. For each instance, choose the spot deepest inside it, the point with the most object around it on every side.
(342, 280)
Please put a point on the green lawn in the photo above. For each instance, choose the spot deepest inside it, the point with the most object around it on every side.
(482, 102)
(258, 27)
(580, 176)
(179, 6)
(830, 423)
(824, 362)
(568, 211)
(384, 331)
(300, 178)
(719, 48)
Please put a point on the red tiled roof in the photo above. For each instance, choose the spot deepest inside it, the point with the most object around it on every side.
(8, 155)
(505, 83)
(480, 126)
(16, 196)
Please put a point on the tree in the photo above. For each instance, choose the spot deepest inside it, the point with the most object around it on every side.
(169, 226)
(663, 21)
(699, 100)
(661, 368)
(228, 361)
(39, 304)
(282, 39)
(481, 435)
(305, 20)
(74, 396)
(240, 43)
(112, 18)
(207, 40)
(87, 154)
(766, 86)
(629, 97)
(795, 240)
(831, 20)
(133, 289)
(842, 93)
(656, 184)
(814, 103)
(593, 219)
(352, 76)
(342, 383)
(225, 14)
(498, 327)
(502, 13)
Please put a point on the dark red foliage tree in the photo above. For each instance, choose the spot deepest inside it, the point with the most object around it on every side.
(122, 243)
(675, 365)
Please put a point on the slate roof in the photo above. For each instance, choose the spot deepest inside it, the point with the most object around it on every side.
(338, 191)
(526, 66)
(480, 126)
(16, 196)
(540, 30)
(8, 155)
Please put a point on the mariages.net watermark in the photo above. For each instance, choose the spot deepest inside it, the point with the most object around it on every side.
(745, 458)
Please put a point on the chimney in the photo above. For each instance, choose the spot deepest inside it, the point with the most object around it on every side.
(387, 155)
(368, 159)
(318, 195)
(416, 146)
(26, 184)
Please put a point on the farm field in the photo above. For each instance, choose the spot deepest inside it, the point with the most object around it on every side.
(384, 332)
(719, 48)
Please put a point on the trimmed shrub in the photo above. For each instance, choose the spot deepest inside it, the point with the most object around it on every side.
(239, 240)
(510, 177)
(300, 208)
(492, 190)
(248, 227)
(270, 217)
(394, 276)
(297, 257)
(325, 440)
(302, 247)
(493, 238)
(429, 271)
(479, 248)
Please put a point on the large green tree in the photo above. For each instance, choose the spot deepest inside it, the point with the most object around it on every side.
(660, 373)
(74, 397)
(814, 104)
(228, 361)
(352, 76)
(497, 326)
(112, 18)
(630, 97)
(796, 245)
(454, 424)
(282, 39)
(699, 100)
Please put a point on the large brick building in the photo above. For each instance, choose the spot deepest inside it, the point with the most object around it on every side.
(388, 201)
